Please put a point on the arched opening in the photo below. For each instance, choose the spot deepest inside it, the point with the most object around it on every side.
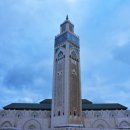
(32, 124)
(73, 55)
(124, 124)
(112, 115)
(3, 114)
(97, 115)
(34, 114)
(6, 124)
(19, 114)
(60, 55)
(102, 124)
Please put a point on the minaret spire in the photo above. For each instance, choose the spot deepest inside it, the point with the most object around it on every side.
(67, 18)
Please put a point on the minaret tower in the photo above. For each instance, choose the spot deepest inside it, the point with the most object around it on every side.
(66, 100)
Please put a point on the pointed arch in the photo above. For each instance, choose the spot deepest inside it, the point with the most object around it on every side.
(3, 114)
(19, 114)
(74, 55)
(34, 114)
(112, 114)
(60, 55)
(127, 114)
(98, 115)
(61, 49)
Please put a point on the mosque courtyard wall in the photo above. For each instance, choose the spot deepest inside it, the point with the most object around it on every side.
(41, 120)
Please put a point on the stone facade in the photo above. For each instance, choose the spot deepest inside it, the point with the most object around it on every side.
(66, 101)
(41, 120)
(106, 119)
(24, 120)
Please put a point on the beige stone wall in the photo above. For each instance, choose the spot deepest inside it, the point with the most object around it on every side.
(106, 119)
(92, 120)
(59, 87)
(74, 94)
(25, 119)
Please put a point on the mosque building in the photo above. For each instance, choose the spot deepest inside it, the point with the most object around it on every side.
(66, 110)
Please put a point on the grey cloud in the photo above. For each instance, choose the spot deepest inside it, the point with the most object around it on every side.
(123, 53)
(17, 77)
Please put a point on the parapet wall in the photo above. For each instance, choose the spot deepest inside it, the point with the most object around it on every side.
(25, 119)
(106, 119)
(41, 120)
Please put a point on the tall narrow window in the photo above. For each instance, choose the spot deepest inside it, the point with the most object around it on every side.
(74, 113)
(58, 113)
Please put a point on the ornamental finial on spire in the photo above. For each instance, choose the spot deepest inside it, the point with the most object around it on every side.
(67, 18)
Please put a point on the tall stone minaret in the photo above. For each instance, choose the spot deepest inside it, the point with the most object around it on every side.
(66, 100)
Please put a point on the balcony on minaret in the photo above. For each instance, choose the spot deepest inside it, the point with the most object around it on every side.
(66, 26)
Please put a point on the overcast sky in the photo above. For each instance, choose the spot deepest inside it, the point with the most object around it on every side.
(27, 31)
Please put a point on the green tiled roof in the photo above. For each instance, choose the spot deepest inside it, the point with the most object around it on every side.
(85, 101)
(46, 101)
(28, 106)
(106, 106)
(46, 105)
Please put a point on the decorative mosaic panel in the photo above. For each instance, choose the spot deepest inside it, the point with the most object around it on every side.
(66, 36)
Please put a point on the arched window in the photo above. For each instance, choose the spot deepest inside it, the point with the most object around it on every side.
(112, 114)
(3, 114)
(60, 55)
(73, 55)
(34, 114)
(19, 114)
(127, 114)
(97, 115)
